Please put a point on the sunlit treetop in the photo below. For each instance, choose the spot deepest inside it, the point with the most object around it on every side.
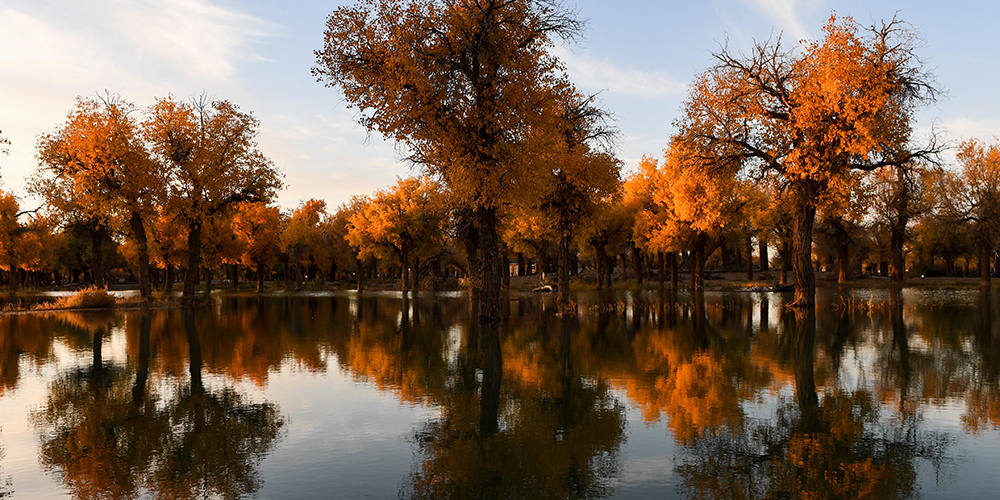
(460, 83)
(843, 102)
(98, 163)
(211, 149)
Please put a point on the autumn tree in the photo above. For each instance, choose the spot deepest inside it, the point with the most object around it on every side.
(16, 244)
(582, 170)
(405, 223)
(842, 220)
(973, 197)
(168, 245)
(459, 85)
(220, 245)
(900, 195)
(689, 206)
(807, 118)
(99, 158)
(258, 226)
(606, 233)
(344, 254)
(302, 238)
(209, 148)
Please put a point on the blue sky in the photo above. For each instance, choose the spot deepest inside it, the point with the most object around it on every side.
(258, 54)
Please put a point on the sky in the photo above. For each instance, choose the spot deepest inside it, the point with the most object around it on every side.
(640, 56)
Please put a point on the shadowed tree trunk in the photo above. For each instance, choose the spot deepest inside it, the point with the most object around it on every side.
(194, 265)
(762, 250)
(139, 235)
(662, 264)
(489, 248)
(674, 278)
(786, 262)
(97, 247)
(802, 269)
(749, 249)
(984, 264)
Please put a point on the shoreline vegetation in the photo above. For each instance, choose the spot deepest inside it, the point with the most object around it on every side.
(95, 298)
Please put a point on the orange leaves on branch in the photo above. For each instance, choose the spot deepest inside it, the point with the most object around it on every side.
(393, 223)
(460, 84)
(258, 226)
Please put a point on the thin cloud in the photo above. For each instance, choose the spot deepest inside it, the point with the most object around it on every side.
(599, 74)
(785, 16)
(141, 48)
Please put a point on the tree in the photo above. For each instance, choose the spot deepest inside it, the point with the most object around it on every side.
(689, 206)
(973, 197)
(460, 85)
(258, 225)
(901, 194)
(406, 223)
(806, 119)
(581, 171)
(100, 158)
(607, 232)
(16, 244)
(302, 237)
(209, 148)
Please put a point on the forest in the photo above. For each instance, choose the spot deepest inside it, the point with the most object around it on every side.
(788, 159)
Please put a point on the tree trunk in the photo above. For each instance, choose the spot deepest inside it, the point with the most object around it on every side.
(749, 245)
(209, 274)
(260, 277)
(194, 264)
(786, 262)
(489, 248)
(843, 262)
(984, 265)
(562, 294)
(599, 265)
(404, 257)
(674, 278)
(168, 283)
(802, 269)
(97, 247)
(698, 258)
(359, 274)
(142, 246)
(662, 264)
(415, 276)
(637, 259)
(12, 280)
(505, 268)
(762, 249)
(896, 251)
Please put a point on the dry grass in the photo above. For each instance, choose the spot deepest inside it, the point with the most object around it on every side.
(870, 306)
(88, 298)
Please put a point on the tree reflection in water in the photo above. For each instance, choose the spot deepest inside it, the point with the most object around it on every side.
(838, 443)
(107, 434)
(761, 402)
(506, 433)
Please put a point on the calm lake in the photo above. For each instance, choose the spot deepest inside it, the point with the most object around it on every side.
(640, 395)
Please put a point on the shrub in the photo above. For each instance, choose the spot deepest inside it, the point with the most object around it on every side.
(88, 298)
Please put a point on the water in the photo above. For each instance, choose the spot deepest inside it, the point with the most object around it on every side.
(877, 395)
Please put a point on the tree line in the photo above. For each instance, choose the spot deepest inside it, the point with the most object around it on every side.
(808, 150)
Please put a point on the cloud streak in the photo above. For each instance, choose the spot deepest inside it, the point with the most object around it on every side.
(784, 14)
(597, 74)
(142, 48)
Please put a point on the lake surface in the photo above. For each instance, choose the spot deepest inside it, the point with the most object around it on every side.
(876, 395)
